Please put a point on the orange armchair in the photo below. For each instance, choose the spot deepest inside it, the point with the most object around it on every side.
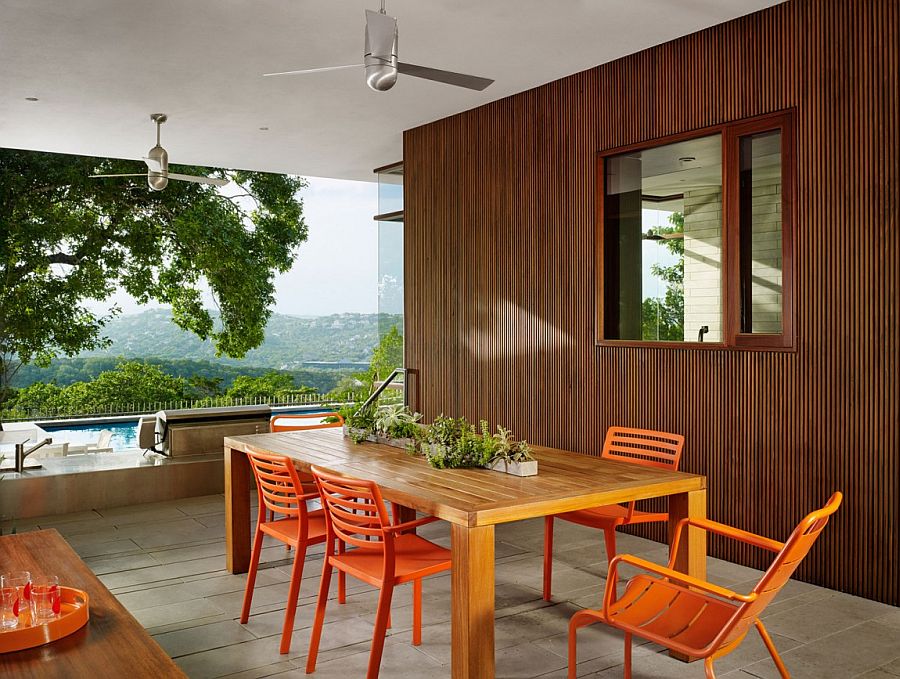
(643, 447)
(692, 616)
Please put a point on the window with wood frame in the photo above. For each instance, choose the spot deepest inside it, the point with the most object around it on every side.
(694, 238)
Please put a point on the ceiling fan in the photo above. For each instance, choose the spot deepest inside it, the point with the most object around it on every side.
(382, 66)
(157, 161)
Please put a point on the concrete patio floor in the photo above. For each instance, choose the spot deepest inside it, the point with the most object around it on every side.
(165, 563)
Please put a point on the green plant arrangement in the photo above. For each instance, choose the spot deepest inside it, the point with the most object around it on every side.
(450, 443)
(392, 424)
(397, 422)
(512, 456)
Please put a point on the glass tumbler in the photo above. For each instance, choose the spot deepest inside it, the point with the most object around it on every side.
(17, 589)
(45, 596)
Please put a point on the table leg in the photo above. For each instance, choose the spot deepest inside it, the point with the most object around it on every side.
(691, 557)
(472, 625)
(237, 511)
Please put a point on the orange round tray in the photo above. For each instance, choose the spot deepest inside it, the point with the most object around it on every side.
(73, 615)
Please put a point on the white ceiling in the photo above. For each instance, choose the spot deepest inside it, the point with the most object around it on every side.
(100, 67)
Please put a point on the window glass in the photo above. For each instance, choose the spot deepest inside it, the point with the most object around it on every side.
(663, 243)
(761, 270)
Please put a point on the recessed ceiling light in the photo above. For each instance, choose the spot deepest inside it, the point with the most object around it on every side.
(687, 159)
(264, 128)
(31, 99)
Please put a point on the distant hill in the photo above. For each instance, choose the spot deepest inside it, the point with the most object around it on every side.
(291, 341)
(65, 371)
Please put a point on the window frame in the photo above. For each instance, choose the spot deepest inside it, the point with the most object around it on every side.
(731, 134)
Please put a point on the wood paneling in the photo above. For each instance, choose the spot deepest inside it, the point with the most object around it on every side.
(500, 221)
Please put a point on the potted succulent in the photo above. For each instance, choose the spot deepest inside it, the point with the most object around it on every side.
(396, 426)
(511, 456)
(359, 422)
(453, 444)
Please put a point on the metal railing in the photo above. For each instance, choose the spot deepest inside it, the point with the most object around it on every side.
(146, 408)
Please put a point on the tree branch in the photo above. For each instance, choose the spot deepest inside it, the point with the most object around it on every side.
(63, 258)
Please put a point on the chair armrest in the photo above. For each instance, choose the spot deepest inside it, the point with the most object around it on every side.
(670, 574)
(402, 527)
(724, 530)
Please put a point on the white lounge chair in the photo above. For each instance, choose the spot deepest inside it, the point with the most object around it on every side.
(101, 446)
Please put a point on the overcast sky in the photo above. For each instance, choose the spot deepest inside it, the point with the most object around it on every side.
(336, 269)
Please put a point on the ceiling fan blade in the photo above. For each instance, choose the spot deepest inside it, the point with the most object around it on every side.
(472, 82)
(197, 179)
(138, 174)
(313, 70)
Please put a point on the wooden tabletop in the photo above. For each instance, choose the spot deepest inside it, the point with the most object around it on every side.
(112, 644)
(475, 497)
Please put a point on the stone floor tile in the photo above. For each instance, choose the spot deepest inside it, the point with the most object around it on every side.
(176, 612)
(824, 617)
(202, 638)
(231, 659)
(113, 564)
(852, 651)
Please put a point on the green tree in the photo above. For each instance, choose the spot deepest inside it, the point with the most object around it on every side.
(204, 387)
(67, 238)
(387, 356)
(663, 318)
(272, 384)
(131, 382)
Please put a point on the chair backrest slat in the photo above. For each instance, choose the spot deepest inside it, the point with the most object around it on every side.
(644, 447)
(294, 422)
(278, 484)
(355, 512)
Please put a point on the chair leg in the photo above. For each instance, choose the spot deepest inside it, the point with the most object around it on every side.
(417, 612)
(609, 535)
(708, 666)
(293, 594)
(548, 556)
(342, 579)
(770, 645)
(324, 586)
(251, 576)
(381, 625)
(627, 655)
(582, 618)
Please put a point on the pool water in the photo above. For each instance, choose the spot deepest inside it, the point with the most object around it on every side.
(125, 434)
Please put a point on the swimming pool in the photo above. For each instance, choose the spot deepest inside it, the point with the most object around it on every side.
(125, 435)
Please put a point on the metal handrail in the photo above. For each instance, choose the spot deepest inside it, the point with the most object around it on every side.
(384, 385)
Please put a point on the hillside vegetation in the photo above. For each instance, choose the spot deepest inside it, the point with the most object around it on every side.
(290, 341)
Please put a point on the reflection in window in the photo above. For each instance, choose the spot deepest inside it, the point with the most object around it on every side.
(663, 243)
(761, 233)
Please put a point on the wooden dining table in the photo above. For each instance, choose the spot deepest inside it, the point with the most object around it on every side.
(111, 644)
(472, 501)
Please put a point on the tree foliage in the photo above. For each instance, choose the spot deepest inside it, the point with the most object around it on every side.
(66, 239)
(663, 318)
(272, 384)
(388, 356)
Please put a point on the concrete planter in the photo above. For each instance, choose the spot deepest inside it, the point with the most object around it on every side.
(347, 431)
(529, 468)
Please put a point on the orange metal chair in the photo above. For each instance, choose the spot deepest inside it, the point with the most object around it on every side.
(380, 553)
(304, 421)
(281, 492)
(692, 616)
(638, 446)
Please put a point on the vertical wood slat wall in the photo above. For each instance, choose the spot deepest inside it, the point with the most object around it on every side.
(500, 222)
